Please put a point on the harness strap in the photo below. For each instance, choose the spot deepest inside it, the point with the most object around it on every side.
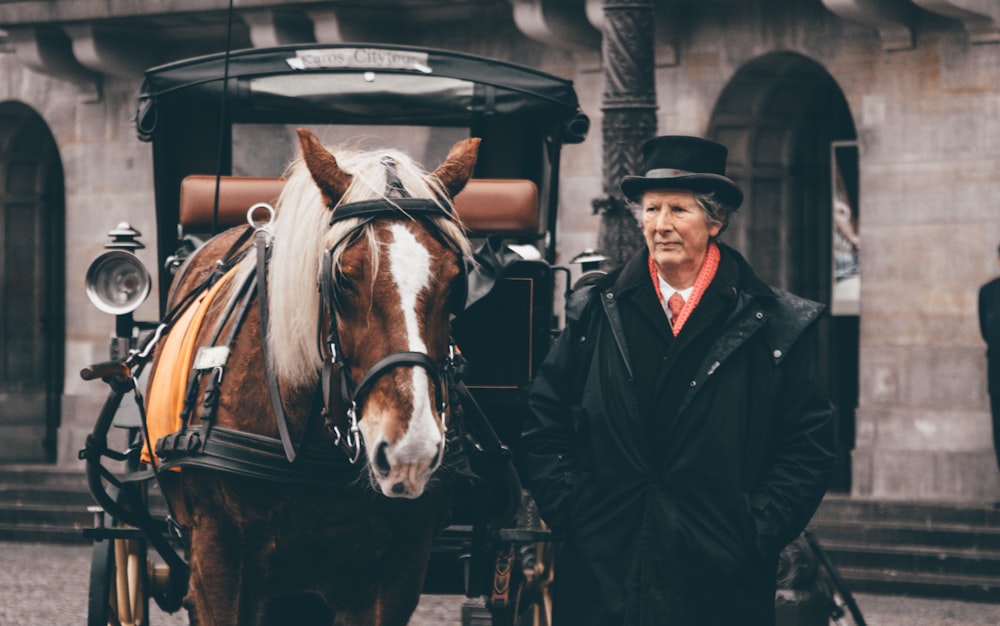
(376, 208)
(394, 186)
(144, 352)
(292, 450)
(223, 265)
(244, 294)
(351, 442)
(395, 360)
(210, 402)
(347, 435)
(254, 456)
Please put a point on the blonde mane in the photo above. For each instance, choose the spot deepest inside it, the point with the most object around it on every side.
(301, 233)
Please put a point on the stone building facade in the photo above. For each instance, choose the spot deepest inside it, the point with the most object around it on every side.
(848, 122)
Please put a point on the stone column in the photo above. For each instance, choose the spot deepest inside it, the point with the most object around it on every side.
(629, 107)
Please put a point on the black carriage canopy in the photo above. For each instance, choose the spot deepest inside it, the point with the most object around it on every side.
(361, 83)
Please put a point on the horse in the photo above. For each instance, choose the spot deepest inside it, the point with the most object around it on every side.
(365, 256)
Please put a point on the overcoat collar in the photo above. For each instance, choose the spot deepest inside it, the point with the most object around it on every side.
(634, 286)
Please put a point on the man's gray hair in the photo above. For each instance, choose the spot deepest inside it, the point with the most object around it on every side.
(715, 212)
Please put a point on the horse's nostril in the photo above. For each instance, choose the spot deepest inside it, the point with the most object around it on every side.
(381, 460)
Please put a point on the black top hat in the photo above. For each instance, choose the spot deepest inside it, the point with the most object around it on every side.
(678, 162)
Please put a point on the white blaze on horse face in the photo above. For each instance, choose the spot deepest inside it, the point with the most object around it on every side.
(412, 458)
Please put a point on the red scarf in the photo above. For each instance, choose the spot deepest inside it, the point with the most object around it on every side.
(705, 275)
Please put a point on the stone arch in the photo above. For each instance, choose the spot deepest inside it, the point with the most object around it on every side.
(32, 244)
(784, 117)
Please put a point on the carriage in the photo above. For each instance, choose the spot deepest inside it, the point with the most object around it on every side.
(223, 128)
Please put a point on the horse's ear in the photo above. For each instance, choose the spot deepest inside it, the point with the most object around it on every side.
(458, 166)
(330, 179)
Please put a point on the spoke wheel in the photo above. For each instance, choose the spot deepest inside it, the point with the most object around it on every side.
(531, 589)
(130, 583)
(540, 578)
(508, 585)
(118, 572)
(101, 571)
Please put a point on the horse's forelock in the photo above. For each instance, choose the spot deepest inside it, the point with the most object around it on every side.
(369, 182)
(370, 175)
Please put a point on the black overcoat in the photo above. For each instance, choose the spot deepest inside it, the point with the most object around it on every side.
(676, 469)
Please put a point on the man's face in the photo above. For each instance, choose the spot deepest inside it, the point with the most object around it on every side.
(677, 231)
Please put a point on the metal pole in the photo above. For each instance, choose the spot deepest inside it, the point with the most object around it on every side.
(629, 107)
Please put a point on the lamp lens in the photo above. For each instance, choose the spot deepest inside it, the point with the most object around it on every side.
(117, 282)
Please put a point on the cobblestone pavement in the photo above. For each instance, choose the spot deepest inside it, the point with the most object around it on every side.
(904, 611)
(43, 584)
(46, 584)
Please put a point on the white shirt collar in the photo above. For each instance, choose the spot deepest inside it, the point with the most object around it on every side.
(666, 291)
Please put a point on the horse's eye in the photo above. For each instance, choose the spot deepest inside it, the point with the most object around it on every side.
(343, 284)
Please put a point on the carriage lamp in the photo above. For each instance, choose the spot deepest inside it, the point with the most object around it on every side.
(117, 282)
(589, 260)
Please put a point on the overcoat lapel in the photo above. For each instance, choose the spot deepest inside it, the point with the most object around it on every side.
(701, 319)
(689, 348)
(645, 300)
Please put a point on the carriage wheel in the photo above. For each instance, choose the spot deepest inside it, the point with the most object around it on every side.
(118, 572)
(529, 593)
(130, 581)
(504, 602)
(540, 578)
(101, 566)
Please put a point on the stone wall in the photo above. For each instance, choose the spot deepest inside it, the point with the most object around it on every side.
(931, 156)
(108, 178)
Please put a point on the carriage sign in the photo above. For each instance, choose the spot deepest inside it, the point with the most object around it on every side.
(360, 58)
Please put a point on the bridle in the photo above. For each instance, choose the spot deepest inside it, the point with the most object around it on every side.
(344, 429)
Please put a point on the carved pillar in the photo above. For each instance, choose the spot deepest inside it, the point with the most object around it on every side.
(629, 107)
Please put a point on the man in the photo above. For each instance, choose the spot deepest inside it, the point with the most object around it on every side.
(678, 435)
(989, 326)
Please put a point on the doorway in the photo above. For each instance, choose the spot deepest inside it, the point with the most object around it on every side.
(788, 128)
(32, 242)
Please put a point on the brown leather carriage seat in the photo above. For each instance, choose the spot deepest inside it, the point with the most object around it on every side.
(487, 205)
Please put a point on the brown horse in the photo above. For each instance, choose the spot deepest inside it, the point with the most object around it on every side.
(352, 551)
